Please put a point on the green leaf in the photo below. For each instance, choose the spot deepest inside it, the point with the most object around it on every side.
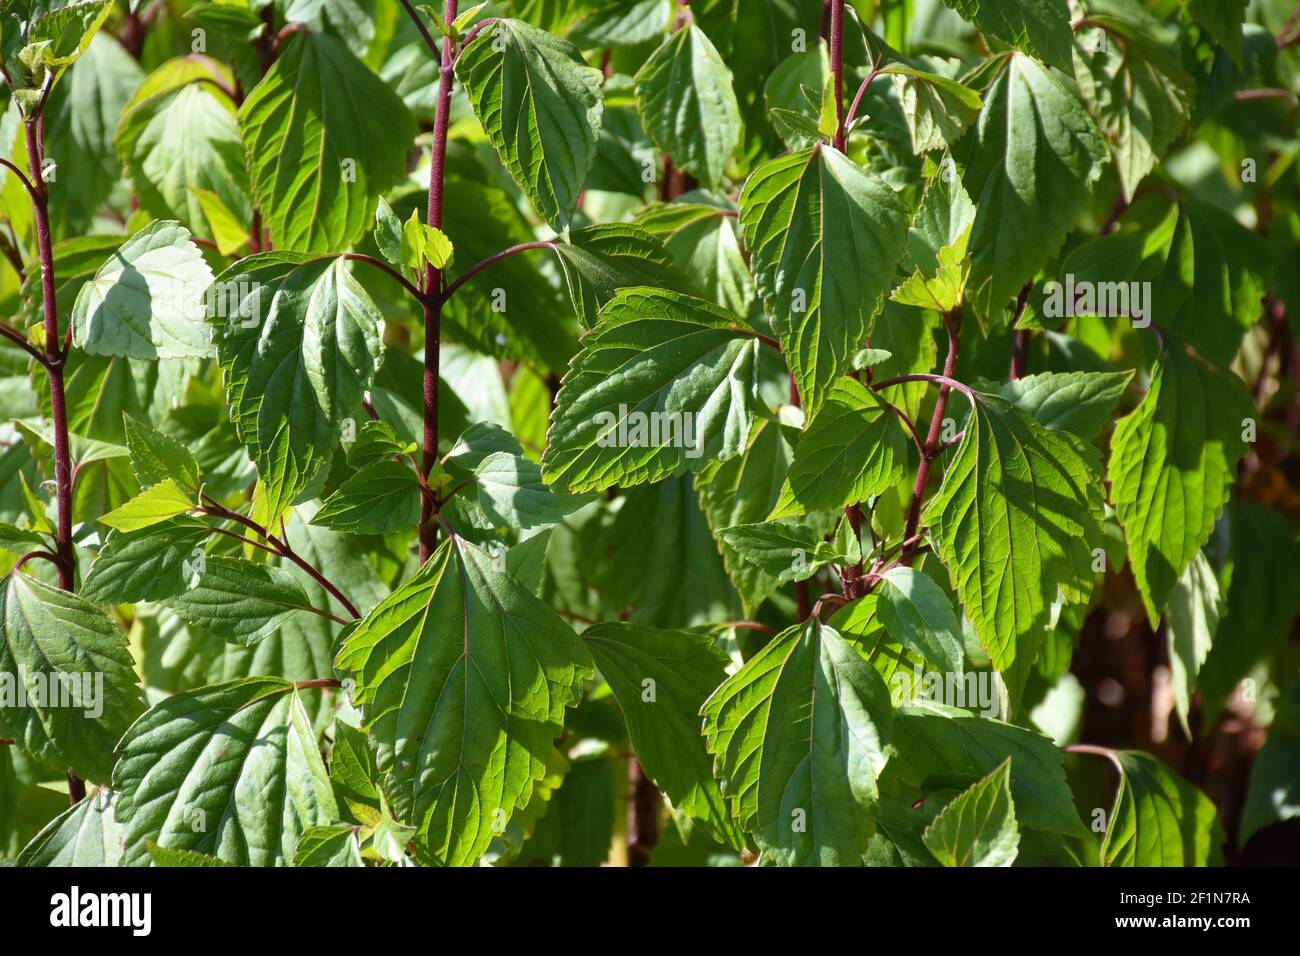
(938, 109)
(512, 494)
(78, 683)
(232, 770)
(1172, 463)
(238, 600)
(1261, 604)
(788, 550)
(601, 259)
(1159, 819)
(824, 237)
(1193, 619)
(793, 94)
(165, 856)
(1030, 165)
(661, 680)
(1016, 521)
(541, 107)
(328, 846)
(81, 116)
(463, 677)
(1222, 19)
(155, 504)
(147, 300)
(1273, 794)
(146, 565)
(743, 491)
(377, 441)
(389, 232)
(1138, 93)
(381, 498)
(1078, 402)
(423, 245)
(299, 343)
(227, 228)
(686, 98)
(86, 834)
(325, 138)
(1040, 27)
(938, 744)
(979, 827)
(918, 614)
(702, 241)
(183, 141)
(853, 450)
(156, 457)
(665, 382)
(801, 733)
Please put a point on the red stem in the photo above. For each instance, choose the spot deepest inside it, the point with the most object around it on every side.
(433, 283)
(952, 322)
(492, 260)
(837, 70)
(283, 549)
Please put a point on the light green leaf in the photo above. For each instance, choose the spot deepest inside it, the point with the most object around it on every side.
(86, 834)
(541, 107)
(463, 677)
(179, 143)
(685, 95)
(512, 494)
(1172, 463)
(1030, 165)
(381, 498)
(1193, 619)
(979, 827)
(325, 138)
(328, 846)
(1040, 27)
(146, 565)
(156, 457)
(239, 600)
(1159, 819)
(854, 449)
(155, 504)
(227, 229)
(147, 300)
(1016, 520)
(75, 674)
(801, 733)
(661, 680)
(167, 857)
(232, 770)
(423, 245)
(1077, 402)
(824, 236)
(665, 382)
(299, 343)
